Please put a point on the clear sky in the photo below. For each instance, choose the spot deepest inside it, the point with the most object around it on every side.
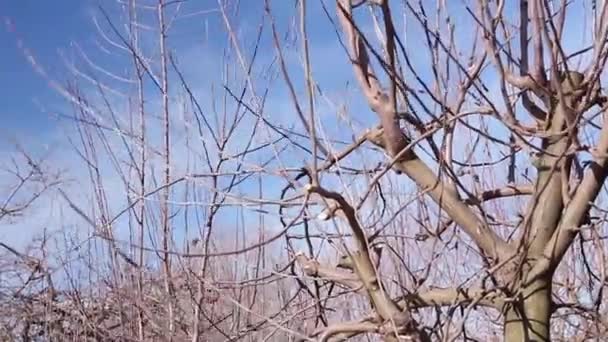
(50, 30)
(45, 27)
(48, 27)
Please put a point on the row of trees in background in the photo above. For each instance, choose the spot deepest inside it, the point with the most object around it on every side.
(207, 210)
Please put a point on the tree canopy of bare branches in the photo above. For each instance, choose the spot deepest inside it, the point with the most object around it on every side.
(326, 170)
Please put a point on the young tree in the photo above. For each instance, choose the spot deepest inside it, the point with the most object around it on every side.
(469, 207)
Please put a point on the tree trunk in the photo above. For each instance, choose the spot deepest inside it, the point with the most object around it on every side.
(529, 318)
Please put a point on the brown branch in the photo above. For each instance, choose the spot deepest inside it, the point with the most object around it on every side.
(379, 102)
(575, 212)
(432, 297)
(314, 269)
(345, 330)
(525, 81)
(362, 262)
(487, 240)
(508, 191)
(538, 72)
(451, 297)
(547, 204)
(395, 141)
(528, 104)
(397, 322)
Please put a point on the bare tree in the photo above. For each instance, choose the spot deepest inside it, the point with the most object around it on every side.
(473, 210)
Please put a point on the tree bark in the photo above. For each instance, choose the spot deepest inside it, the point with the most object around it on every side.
(528, 319)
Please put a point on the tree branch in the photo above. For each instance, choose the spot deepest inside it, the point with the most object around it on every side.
(451, 296)
(314, 269)
(395, 142)
(574, 213)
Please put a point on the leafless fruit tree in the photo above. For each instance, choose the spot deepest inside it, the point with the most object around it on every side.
(262, 202)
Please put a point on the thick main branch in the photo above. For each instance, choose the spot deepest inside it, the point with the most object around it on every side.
(395, 140)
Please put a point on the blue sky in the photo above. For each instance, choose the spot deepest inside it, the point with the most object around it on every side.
(52, 29)
(48, 28)
(45, 27)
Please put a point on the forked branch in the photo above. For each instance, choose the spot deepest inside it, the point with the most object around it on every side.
(400, 321)
(395, 140)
